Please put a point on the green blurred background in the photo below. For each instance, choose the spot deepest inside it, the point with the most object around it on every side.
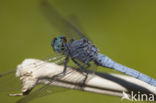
(122, 29)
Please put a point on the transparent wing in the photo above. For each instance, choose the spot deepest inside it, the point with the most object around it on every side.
(40, 92)
(76, 22)
(56, 58)
(64, 26)
(45, 90)
(7, 73)
(10, 84)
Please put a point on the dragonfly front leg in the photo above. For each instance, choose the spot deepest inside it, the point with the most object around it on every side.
(64, 70)
(65, 64)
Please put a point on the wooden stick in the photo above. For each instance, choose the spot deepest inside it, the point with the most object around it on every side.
(33, 72)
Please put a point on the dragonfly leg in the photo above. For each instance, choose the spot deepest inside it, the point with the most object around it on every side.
(83, 69)
(65, 64)
(78, 64)
(64, 70)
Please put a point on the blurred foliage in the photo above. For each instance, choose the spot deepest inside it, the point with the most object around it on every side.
(122, 29)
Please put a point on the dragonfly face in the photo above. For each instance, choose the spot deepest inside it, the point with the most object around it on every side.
(58, 44)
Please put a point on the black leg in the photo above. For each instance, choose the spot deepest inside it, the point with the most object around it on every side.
(65, 64)
(64, 70)
(81, 67)
(84, 70)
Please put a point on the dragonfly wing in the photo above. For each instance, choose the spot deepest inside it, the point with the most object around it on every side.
(46, 90)
(40, 92)
(7, 73)
(76, 22)
(9, 83)
(63, 25)
(55, 58)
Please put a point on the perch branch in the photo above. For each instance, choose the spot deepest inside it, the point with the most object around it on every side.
(33, 72)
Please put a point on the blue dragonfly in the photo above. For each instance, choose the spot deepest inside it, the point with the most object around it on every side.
(82, 50)
(79, 48)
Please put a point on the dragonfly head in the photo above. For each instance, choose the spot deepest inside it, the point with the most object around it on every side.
(58, 44)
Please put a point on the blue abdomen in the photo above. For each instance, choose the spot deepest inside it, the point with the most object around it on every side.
(105, 61)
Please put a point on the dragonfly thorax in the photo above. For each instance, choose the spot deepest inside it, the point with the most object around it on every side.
(82, 50)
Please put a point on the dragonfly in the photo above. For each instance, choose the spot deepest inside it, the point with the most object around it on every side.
(75, 45)
(82, 50)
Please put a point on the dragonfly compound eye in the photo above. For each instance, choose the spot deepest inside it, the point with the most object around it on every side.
(58, 44)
